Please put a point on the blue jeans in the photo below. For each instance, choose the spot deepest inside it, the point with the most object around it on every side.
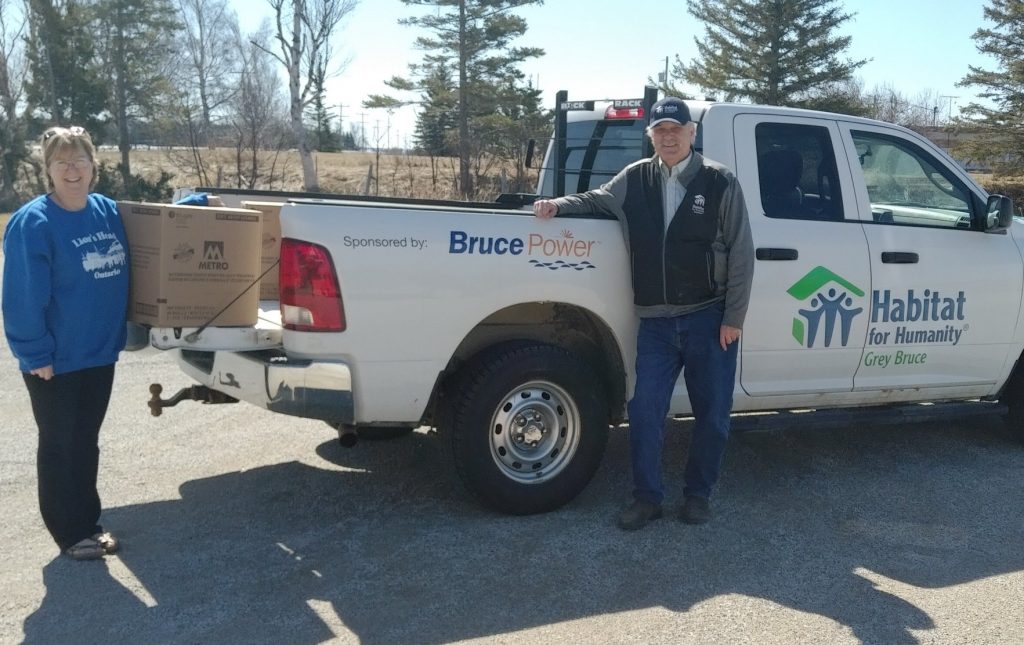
(666, 346)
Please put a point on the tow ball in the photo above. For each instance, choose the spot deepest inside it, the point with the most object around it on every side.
(194, 393)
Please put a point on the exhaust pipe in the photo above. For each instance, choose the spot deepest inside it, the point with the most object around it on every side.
(347, 435)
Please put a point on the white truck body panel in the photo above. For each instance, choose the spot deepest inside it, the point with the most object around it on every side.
(410, 300)
(416, 281)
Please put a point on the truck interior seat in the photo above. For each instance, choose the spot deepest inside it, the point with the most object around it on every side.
(780, 173)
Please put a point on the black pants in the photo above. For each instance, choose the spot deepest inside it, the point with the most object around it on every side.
(69, 409)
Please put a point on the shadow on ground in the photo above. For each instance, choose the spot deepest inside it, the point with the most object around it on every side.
(391, 551)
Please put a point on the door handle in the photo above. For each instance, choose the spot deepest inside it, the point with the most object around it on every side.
(899, 257)
(776, 254)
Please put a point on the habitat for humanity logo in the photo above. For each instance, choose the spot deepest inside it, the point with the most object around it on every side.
(824, 308)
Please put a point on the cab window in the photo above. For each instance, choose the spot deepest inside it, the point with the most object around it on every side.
(907, 186)
(797, 172)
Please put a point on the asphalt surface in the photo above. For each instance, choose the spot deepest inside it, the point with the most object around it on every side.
(241, 526)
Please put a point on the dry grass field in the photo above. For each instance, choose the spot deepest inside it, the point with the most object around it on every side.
(392, 175)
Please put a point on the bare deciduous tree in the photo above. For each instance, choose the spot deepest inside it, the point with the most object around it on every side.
(12, 76)
(886, 103)
(211, 55)
(303, 32)
(257, 113)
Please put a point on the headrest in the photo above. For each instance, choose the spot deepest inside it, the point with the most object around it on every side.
(780, 170)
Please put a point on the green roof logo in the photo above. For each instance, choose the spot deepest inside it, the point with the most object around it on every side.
(828, 302)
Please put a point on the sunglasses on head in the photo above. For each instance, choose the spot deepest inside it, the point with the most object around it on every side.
(75, 131)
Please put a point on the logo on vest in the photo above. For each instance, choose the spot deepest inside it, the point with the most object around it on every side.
(698, 205)
(825, 308)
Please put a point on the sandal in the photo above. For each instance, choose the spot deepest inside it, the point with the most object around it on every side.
(107, 542)
(87, 549)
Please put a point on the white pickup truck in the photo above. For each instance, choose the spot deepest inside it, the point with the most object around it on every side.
(885, 274)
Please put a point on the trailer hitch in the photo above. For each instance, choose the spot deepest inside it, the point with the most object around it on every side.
(194, 393)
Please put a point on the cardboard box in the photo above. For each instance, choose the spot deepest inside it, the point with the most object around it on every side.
(271, 246)
(189, 262)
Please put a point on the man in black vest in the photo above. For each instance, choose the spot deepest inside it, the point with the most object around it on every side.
(685, 223)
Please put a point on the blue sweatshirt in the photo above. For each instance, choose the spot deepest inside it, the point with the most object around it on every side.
(65, 289)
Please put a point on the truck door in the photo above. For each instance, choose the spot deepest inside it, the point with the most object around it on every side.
(944, 292)
(806, 325)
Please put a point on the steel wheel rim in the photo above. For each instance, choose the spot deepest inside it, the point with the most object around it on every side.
(534, 432)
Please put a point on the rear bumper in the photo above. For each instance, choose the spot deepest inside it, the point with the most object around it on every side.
(269, 379)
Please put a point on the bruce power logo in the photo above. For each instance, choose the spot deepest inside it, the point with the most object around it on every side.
(826, 305)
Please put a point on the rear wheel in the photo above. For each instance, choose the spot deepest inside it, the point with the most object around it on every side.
(528, 428)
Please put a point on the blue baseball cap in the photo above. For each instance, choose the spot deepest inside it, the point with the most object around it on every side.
(670, 108)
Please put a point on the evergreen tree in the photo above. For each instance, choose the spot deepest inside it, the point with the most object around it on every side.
(136, 47)
(1000, 122)
(325, 139)
(473, 38)
(65, 84)
(348, 141)
(774, 52)
(436, 123)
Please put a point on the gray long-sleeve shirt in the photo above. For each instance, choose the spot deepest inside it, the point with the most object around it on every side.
(733, 246)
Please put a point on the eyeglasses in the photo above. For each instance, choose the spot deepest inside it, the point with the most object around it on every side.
(75, 131)
(78, 163)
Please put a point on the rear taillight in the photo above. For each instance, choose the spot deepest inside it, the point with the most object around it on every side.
(310, 295)
(624, 113)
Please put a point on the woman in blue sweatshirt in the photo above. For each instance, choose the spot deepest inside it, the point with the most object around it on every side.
(65, 294)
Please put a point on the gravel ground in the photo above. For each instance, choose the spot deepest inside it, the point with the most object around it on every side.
(240, 526)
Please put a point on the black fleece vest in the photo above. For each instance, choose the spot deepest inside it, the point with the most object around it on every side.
(674, 267)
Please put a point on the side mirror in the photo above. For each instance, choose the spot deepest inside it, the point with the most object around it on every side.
(998, 213)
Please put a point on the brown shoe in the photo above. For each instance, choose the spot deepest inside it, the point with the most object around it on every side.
(87, 549)
(696, 510)
(107, 541)
(638, 514)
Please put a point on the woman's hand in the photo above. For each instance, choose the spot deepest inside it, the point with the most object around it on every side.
(45, 373)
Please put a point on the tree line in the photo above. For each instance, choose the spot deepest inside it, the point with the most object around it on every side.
(181, 72)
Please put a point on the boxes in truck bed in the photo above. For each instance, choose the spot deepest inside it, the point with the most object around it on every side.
(188, 263)
(271, 246)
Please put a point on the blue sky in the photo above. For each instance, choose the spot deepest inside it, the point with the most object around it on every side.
(608, 49)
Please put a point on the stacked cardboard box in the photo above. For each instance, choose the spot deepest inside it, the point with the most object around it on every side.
(192, 265)
(271, 246)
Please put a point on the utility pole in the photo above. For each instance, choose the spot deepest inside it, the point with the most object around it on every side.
(949, 113)
(362, 130)
(341, 116)
(663, 77)
(341, 125)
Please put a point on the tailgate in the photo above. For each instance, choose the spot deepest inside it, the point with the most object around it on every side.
(266, 334)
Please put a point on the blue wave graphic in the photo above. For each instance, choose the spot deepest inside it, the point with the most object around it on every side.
(561, 264)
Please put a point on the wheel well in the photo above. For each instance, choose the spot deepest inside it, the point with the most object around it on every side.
(558, 324)
(1014, 385)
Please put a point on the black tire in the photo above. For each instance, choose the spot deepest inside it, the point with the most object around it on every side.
(383, 433)
(528, 427)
